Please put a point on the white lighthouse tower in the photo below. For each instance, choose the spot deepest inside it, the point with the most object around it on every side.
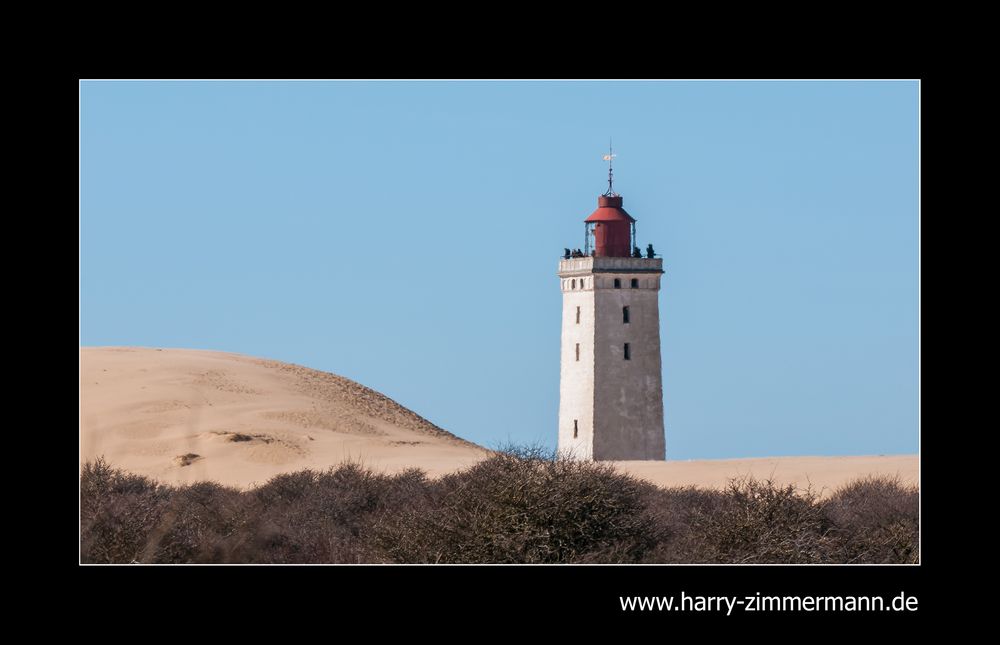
(610, 385)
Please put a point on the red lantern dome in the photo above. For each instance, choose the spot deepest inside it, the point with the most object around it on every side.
(612, 228)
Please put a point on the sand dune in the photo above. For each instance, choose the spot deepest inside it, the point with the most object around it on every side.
(822, 474)
(188, 415)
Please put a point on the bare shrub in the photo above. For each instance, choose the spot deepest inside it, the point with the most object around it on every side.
(118, 511)
(761, 522)
(518, 506)
(877, 520)
(326, 517)
(524, 506)
(675, 512)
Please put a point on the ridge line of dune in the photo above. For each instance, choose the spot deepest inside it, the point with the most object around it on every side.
(344, 389)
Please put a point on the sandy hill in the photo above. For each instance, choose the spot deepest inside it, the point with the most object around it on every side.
(187, 415)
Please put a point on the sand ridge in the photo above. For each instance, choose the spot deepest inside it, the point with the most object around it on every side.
(187, 415)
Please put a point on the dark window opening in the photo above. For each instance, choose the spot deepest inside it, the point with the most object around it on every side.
(625, 315)
(576, 429)
(618, 283)
(574, 284)
(578, 351)
(578, 315)
(635, 283)
(628, 352)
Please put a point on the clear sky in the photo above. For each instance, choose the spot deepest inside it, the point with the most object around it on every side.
(407, 234)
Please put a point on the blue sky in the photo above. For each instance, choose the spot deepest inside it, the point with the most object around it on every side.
(407, 234)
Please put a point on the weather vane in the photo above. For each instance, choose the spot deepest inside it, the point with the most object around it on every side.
(610, 158)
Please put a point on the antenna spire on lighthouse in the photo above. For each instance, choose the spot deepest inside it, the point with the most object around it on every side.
(611, 177)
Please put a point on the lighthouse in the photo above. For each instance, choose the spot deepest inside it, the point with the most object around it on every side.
(610, 383)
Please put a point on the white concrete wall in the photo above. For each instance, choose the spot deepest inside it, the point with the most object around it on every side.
(617, 404)
(576, 378)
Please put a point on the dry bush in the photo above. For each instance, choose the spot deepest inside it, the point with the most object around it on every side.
(675, 511)
(325, 517)
(118, 511)
(877, 520)
(524, 506)
(198, 525)
(761, 522)
(518, 506)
